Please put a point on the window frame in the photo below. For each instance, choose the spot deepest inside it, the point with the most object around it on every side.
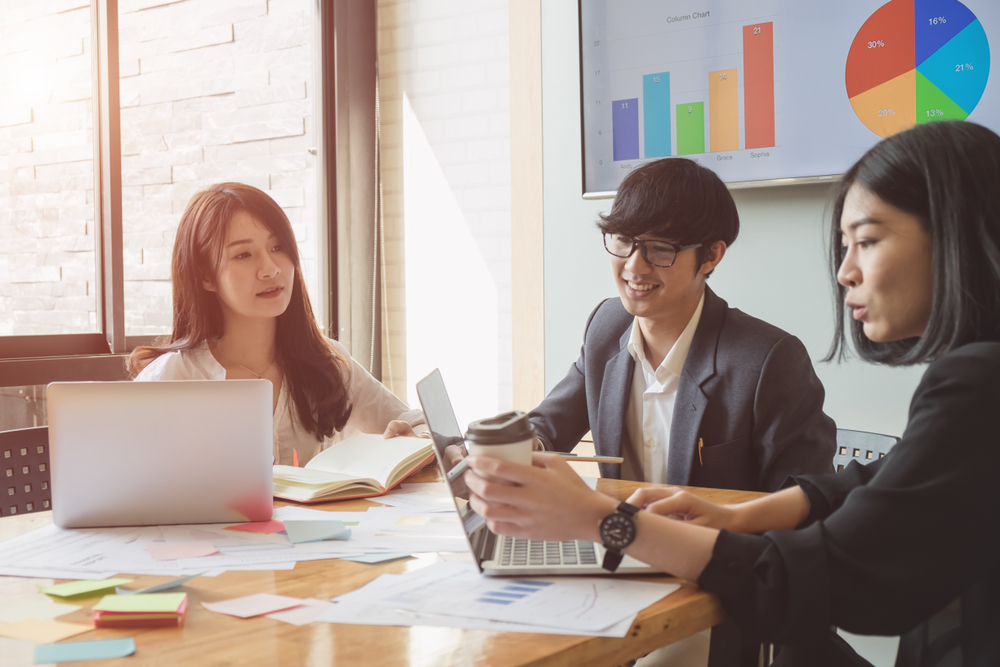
(38, 360)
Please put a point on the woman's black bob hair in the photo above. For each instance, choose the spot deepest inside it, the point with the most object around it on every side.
(946, 175)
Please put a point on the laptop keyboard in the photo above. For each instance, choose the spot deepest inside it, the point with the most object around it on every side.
(515, 551)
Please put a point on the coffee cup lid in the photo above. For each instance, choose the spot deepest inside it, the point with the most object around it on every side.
(505, 428)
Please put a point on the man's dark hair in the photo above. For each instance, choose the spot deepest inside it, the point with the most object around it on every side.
(677, 200)
(947, 176)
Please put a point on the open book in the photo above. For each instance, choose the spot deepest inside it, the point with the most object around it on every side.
(360, 466)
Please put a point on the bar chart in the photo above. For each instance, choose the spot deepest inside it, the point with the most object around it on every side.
(660, 122)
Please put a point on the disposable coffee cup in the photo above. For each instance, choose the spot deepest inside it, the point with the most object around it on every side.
(507, 436)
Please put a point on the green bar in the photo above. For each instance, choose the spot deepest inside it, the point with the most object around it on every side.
(691, 128)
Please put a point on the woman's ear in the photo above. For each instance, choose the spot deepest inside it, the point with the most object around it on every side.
(208, 285)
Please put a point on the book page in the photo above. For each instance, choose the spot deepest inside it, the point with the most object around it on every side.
(369, 455)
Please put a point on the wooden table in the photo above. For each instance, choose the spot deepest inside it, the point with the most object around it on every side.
(208, 638)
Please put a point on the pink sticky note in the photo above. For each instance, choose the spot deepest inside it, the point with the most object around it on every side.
(306, 613)
(253, 605)
(178, 550)
(262, 527)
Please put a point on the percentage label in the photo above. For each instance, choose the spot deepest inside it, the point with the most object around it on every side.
(931, 113)
(936, 20)
(961, 67)
(874, 44)
(886, 112)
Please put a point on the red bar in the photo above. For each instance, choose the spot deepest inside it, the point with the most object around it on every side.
(758, 84)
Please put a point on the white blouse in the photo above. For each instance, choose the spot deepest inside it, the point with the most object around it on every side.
(374, 406)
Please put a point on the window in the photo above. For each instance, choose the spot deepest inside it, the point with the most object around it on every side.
(94, 176)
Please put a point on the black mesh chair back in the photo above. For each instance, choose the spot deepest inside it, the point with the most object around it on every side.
(860, 446)
(24, 471)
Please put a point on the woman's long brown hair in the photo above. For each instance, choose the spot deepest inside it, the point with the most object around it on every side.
(314, 375)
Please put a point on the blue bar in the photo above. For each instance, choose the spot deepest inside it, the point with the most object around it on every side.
(494, 601)
(656, 114)
(625, 128)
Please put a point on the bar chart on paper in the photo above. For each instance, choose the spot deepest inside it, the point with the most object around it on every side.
(917, 61)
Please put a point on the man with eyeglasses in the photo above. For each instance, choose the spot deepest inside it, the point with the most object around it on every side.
(686, 389)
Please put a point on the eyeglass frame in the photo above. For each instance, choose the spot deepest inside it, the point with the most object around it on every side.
(641, 244)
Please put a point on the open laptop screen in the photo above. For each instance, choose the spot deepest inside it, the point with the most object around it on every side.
(445, 432)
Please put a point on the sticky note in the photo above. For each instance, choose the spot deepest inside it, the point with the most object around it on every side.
(179, 550)
(156, 588)
(371, 559)
(253, 605)
(100, 649)
(305, 613)
(413, 521)
(74, 588)
(42, 631)
(315, 531)
(33, 606)
(261, 527)
(148, 602)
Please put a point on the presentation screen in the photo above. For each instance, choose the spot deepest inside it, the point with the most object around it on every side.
(759, 90)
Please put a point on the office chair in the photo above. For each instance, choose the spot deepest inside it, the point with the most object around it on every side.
(24, 471)
(860, 446)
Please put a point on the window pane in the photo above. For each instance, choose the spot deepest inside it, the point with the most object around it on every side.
(47, 240)
(211, 92)
(22, 407)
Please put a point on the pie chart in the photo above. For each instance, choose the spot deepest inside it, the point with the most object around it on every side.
(917, 61)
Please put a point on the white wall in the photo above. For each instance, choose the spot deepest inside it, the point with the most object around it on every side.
(445, 77)
(776, 270)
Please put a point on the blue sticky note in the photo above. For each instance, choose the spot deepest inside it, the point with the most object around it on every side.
(371, 559)
(316, 531)
(101, 649)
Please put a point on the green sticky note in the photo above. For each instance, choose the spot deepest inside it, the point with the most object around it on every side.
(74, 588)
(101, 649)
(142, 602)
(316, 531)
(372, 559)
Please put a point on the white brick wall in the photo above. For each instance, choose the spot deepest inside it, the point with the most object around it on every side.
(450, 60)
(210, 91)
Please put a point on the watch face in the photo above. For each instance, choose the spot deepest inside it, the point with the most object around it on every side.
(617, 531)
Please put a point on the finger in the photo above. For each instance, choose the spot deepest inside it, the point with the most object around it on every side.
(505, 470)
(494, 511)
(677, 505)
(492, 492)
(644, 496)
(397, 428)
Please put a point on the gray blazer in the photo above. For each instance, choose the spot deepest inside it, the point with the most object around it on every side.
(748, 391)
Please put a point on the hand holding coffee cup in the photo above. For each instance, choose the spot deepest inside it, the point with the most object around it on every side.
(507, 436)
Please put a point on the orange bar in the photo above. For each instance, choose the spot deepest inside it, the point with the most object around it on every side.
(758, 85)
(723, 110)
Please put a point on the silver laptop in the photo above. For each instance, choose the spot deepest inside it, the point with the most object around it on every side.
(153, 453)
(499, 555)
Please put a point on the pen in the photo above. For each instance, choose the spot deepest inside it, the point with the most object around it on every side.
(592, 459)
(701, 443)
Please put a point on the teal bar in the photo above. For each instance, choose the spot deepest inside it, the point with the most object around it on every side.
(656, 114)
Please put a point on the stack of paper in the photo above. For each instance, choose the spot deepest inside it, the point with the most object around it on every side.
(141, 611)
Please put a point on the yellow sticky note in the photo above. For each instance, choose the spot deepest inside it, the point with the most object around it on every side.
(73, 588)
(42, 631)
(413, 521)
(143, 602)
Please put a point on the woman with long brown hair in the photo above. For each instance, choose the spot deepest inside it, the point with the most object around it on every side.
(240, 311)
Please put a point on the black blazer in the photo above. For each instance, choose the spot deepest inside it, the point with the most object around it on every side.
(887, 545)
(748, 391)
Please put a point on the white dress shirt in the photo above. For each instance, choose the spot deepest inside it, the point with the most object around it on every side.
(374, 406)
(650, 410)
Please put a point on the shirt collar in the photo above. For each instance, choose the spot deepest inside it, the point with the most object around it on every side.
(673, 363)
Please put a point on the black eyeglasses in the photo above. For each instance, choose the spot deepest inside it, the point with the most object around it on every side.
(657, 253)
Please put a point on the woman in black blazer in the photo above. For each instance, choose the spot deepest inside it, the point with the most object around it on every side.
(874, 549)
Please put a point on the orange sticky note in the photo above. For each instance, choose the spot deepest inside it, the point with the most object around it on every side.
(178, 550)
(42, 631)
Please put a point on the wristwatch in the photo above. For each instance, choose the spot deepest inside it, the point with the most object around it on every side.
(617, 532)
